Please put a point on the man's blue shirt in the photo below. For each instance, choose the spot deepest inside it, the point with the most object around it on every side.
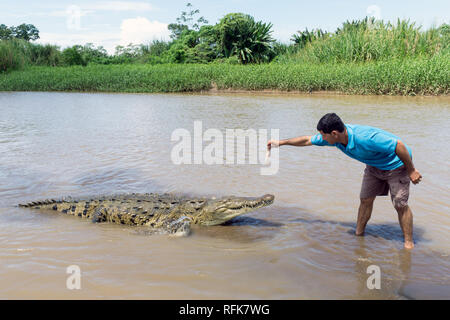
(370, 145)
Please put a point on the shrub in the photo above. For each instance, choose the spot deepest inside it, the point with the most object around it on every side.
(74, 56)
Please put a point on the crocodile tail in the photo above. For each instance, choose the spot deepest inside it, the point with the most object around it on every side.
(35, 204)
(80, 208)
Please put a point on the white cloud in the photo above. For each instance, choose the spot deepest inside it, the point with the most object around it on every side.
(108, 40)
(55, 13)
(86, 9)
(119, 6)
(140, 30)
(137, 31)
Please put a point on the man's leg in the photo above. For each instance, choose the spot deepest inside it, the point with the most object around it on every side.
(364, 213)
(399, 188)
(405, 218)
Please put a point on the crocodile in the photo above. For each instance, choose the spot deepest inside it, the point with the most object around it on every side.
(171, 213)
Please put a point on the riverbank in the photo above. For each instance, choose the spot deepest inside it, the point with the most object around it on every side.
(415, 76)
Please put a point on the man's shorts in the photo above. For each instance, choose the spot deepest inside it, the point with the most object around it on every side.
(377, 182)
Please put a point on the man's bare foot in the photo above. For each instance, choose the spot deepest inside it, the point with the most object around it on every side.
(359, 234)
(409, 244)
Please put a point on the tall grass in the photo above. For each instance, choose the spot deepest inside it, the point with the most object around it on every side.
(15, 54)
(12, 55)
(372, 40)
(44, 55)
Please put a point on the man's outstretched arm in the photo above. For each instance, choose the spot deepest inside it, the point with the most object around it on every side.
(302, 141)
(403, 154)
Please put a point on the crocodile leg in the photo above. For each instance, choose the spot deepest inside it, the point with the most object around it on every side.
(100, 214)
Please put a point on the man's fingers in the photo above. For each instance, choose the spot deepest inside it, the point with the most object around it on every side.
(271, 144)
(416, 177)
(416, 181)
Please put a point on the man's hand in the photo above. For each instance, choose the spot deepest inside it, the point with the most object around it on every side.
(275, 143)
(403, 154)
(415, 176)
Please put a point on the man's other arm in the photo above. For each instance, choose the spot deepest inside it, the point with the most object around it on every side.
(403, 154)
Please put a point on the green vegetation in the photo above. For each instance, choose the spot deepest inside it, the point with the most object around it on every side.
(370, 40)
(365, 56)
(402, 77)
(240, 35)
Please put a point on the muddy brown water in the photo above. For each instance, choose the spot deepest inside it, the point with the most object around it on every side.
(301, 247)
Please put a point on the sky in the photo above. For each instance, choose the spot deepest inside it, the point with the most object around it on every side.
(111, 23)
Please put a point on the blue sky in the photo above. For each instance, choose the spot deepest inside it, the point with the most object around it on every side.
(110, 23)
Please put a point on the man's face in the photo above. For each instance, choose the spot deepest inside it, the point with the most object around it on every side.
(331, 137)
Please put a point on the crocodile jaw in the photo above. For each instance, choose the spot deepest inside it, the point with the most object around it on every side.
(227, 208)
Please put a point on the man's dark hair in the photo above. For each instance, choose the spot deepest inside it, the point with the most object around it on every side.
(330, 122)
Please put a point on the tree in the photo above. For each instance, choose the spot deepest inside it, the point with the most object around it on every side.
(26, 32)
(5, 32)
(186, 22)
(155, 48)
(74, 56)
(239, 34)
(131, 51)
(93, 54)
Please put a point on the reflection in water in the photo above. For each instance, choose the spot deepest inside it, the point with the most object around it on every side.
(388, 231)
(60, 144)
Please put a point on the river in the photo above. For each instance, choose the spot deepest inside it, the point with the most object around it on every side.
(301, 247)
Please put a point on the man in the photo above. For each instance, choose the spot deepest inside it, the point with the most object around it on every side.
(388, 162)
